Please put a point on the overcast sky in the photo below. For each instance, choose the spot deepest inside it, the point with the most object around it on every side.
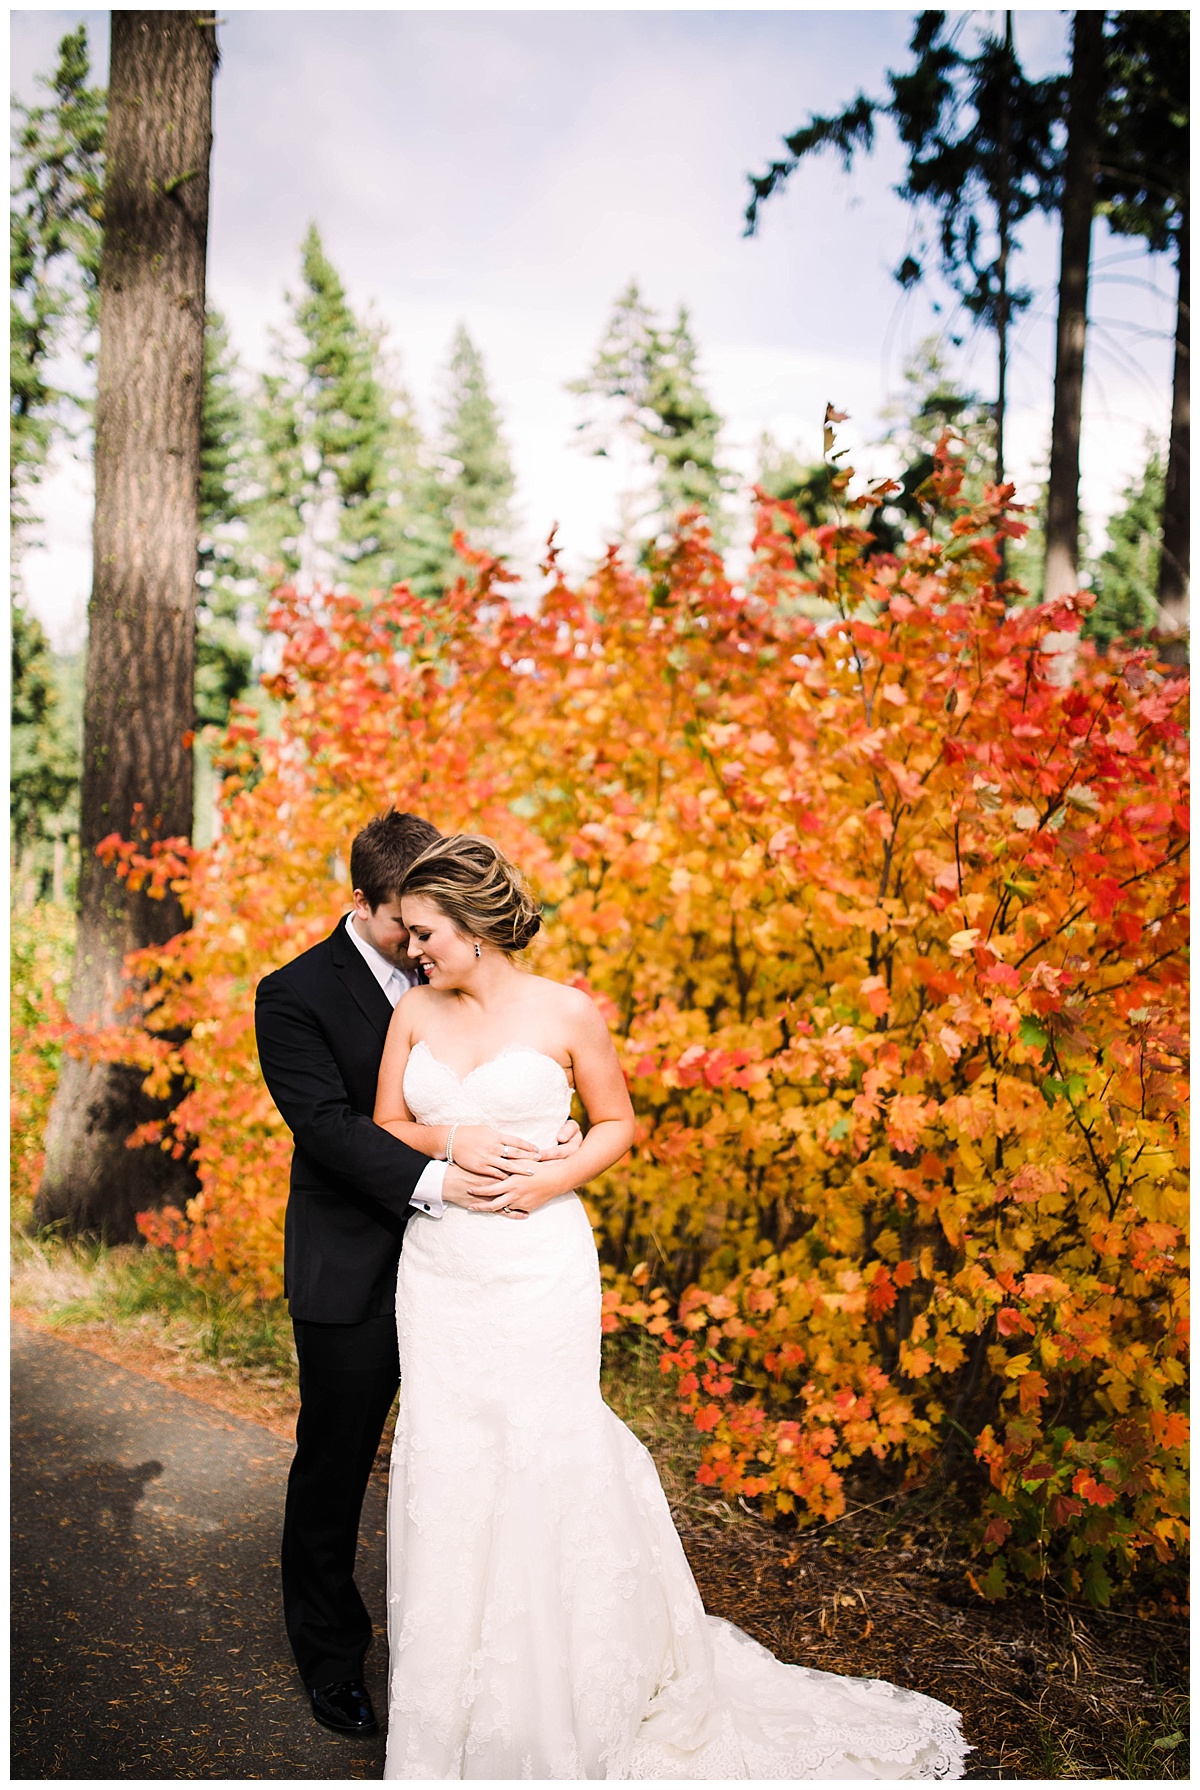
(515, 169)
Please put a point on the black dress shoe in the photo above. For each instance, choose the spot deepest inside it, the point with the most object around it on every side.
(346, 1708)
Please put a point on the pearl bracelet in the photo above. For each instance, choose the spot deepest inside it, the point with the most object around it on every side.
(450, 1142)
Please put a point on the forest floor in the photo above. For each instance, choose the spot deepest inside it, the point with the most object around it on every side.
(1047, 1690)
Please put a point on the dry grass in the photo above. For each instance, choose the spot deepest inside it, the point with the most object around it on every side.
(130, 1305)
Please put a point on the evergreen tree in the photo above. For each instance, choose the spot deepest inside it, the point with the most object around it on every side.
(44, 767)
(1125, 577)
(808, 484)
(54, 239)
(688, 429)
(224, 653)
(139, 703)
(782, 473)
(477, 474)
(645, 390)
(931, 402)
(339, 446)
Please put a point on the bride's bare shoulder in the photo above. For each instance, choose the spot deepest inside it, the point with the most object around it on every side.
(574, 1006)
(418, 1005)
(564, 993)
(419, 999)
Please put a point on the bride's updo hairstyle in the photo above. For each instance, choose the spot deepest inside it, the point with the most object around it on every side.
(469, 879)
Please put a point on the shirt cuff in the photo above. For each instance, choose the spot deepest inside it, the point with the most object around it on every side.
(427, 1194)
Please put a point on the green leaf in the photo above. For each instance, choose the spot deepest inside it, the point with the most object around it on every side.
(1097, 1586)
(1033, 1035)
(994, 1583)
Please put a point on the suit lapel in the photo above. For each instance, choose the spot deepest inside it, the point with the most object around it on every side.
(353, 972)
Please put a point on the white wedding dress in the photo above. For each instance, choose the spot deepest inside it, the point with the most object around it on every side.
(542, 1618)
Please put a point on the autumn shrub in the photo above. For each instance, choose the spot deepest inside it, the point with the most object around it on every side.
(888, 917)
(40, 942)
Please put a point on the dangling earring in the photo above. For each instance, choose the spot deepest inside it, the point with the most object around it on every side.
(478, 952)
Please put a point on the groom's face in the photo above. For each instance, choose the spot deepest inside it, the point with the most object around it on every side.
(382, 927)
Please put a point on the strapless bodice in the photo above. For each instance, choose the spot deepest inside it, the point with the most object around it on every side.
(520, 1089)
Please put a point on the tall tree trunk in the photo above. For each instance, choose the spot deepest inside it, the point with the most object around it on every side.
(1078, 204)
(1175, 565)
(137, 769)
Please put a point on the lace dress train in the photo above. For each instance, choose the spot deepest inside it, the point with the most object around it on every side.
(542, 1618)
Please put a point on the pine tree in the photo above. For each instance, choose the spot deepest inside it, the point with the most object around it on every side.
(477, 475)
(931, 402)
(645, 391)
(54, 239)
(224, 649)
(137, 763)
(44, 753)
(340, 450)
(784, 474)
(687, 434)
(1125, 577)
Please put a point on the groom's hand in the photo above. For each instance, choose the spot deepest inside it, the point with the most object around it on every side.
(570, 1138)
(484, 1193)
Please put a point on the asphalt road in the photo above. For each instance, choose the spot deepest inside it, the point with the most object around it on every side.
(147, 1638)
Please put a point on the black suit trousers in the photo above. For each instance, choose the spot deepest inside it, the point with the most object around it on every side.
(349, 1374)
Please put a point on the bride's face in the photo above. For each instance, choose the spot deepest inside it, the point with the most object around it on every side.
(436, 943)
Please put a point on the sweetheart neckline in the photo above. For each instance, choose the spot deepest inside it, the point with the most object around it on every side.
(505, 1049)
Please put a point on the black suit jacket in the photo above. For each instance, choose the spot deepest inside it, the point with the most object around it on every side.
(321, 1022)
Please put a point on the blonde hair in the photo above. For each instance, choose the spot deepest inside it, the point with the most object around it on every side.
(469, 879)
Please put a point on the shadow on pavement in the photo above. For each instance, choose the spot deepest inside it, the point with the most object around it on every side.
(147, 1639)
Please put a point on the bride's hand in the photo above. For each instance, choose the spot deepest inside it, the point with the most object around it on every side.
(482, 1151)
(535, 1188)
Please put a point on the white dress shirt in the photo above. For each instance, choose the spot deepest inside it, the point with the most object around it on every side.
(427, 1194)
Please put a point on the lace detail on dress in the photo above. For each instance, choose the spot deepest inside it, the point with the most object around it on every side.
(542, 1618)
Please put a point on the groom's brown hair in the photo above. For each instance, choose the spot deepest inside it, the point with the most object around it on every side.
(383, 851)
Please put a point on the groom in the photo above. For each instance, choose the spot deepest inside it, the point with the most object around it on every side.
(321, 1022)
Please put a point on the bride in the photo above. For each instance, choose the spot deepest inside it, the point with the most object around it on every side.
(542, 1618)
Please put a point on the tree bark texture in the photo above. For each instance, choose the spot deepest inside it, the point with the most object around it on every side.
(1078, 205)
(1175, 565)
(137, 767)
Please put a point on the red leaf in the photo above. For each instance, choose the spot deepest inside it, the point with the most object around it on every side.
(1091, 1490)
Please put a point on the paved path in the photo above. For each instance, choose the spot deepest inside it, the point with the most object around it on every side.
(147, 1635)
